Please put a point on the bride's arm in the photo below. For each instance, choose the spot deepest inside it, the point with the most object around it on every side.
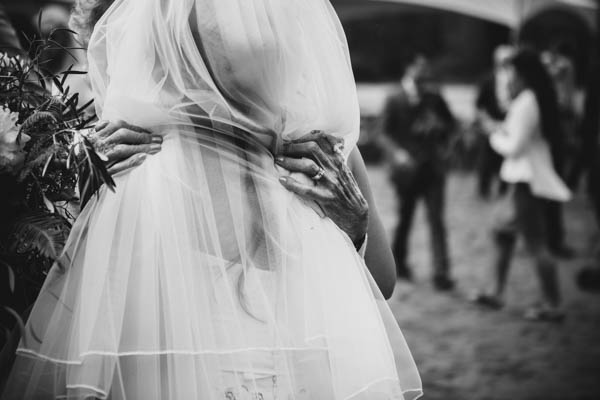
(378, 256)
(344, 194)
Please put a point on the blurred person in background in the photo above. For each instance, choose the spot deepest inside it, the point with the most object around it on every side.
(588, 277)
(492, 102)
(587, 162)
(561, 67)
(417, 127)
(530, 141)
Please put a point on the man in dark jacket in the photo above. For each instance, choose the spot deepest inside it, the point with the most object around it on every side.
(417, 125)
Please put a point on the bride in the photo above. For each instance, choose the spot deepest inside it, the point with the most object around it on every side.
(201, 276)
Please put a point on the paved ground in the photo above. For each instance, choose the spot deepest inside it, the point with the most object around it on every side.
(465, 353)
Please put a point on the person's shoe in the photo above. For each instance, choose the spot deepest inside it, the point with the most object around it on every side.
(487, 301)
(544, 314)
(443, 283)
(563, 252)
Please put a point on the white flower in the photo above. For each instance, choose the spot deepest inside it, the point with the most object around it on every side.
(11, 61)
(11, 145)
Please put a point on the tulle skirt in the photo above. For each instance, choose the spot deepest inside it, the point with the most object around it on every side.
(201, 277)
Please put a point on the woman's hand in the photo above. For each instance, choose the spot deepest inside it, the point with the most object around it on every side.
(319, 156)
(125, 146)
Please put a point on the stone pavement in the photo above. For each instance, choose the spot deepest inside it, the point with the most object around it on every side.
(465, 353)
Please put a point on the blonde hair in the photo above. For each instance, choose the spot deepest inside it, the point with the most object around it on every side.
(84, 16)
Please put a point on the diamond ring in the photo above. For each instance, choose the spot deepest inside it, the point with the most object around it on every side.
(319, 174)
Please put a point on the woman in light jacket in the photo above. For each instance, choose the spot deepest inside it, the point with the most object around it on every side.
(529, 140)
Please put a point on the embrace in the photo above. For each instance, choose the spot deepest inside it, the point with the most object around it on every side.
(233, 260)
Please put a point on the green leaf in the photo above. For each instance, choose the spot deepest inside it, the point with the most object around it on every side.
(55, 30)
(82, 109)
(47, 164)
(40, 117)
(11, 280)
(65, 75)
(63, 48)
(92, 172)
(42, 232)
(11, 276)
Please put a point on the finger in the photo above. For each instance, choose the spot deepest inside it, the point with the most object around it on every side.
(349, 185)
(101, 125)
(128, 136)
(106, 129)
(305, 191)
(327, 142)
(136, 128)
(304, 165)
(121, 152)
(309, 149)
(312, 135)
(318, 137)
(332, 147)
(129, 163)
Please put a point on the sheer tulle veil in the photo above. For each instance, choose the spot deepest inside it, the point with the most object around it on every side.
(201, 277)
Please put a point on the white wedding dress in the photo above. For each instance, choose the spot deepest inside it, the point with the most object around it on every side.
(201, 277)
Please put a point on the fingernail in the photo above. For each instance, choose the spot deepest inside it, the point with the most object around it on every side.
(282, 179)
(157, 139)
(155, 148)
(141, 158)
(279, 160)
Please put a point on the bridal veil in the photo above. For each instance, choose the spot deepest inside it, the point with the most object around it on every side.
(201, 277)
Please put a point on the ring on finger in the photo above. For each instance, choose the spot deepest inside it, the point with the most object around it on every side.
(338, 148)
(319, 174)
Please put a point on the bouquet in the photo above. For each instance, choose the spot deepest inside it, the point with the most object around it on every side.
(47, 167)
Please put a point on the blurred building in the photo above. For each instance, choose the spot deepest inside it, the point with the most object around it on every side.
(384, 35)
(459, 35)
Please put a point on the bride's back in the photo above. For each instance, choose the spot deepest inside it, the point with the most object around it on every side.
(267, 66)
(201, 276)
(226, 81)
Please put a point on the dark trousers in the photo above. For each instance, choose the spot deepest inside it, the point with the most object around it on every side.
(530, 219)
(530, 222)
(555, 225)
(539, 220)
(429, 186)
(594, 187)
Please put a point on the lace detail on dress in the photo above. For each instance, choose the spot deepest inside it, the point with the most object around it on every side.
(244, 392)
